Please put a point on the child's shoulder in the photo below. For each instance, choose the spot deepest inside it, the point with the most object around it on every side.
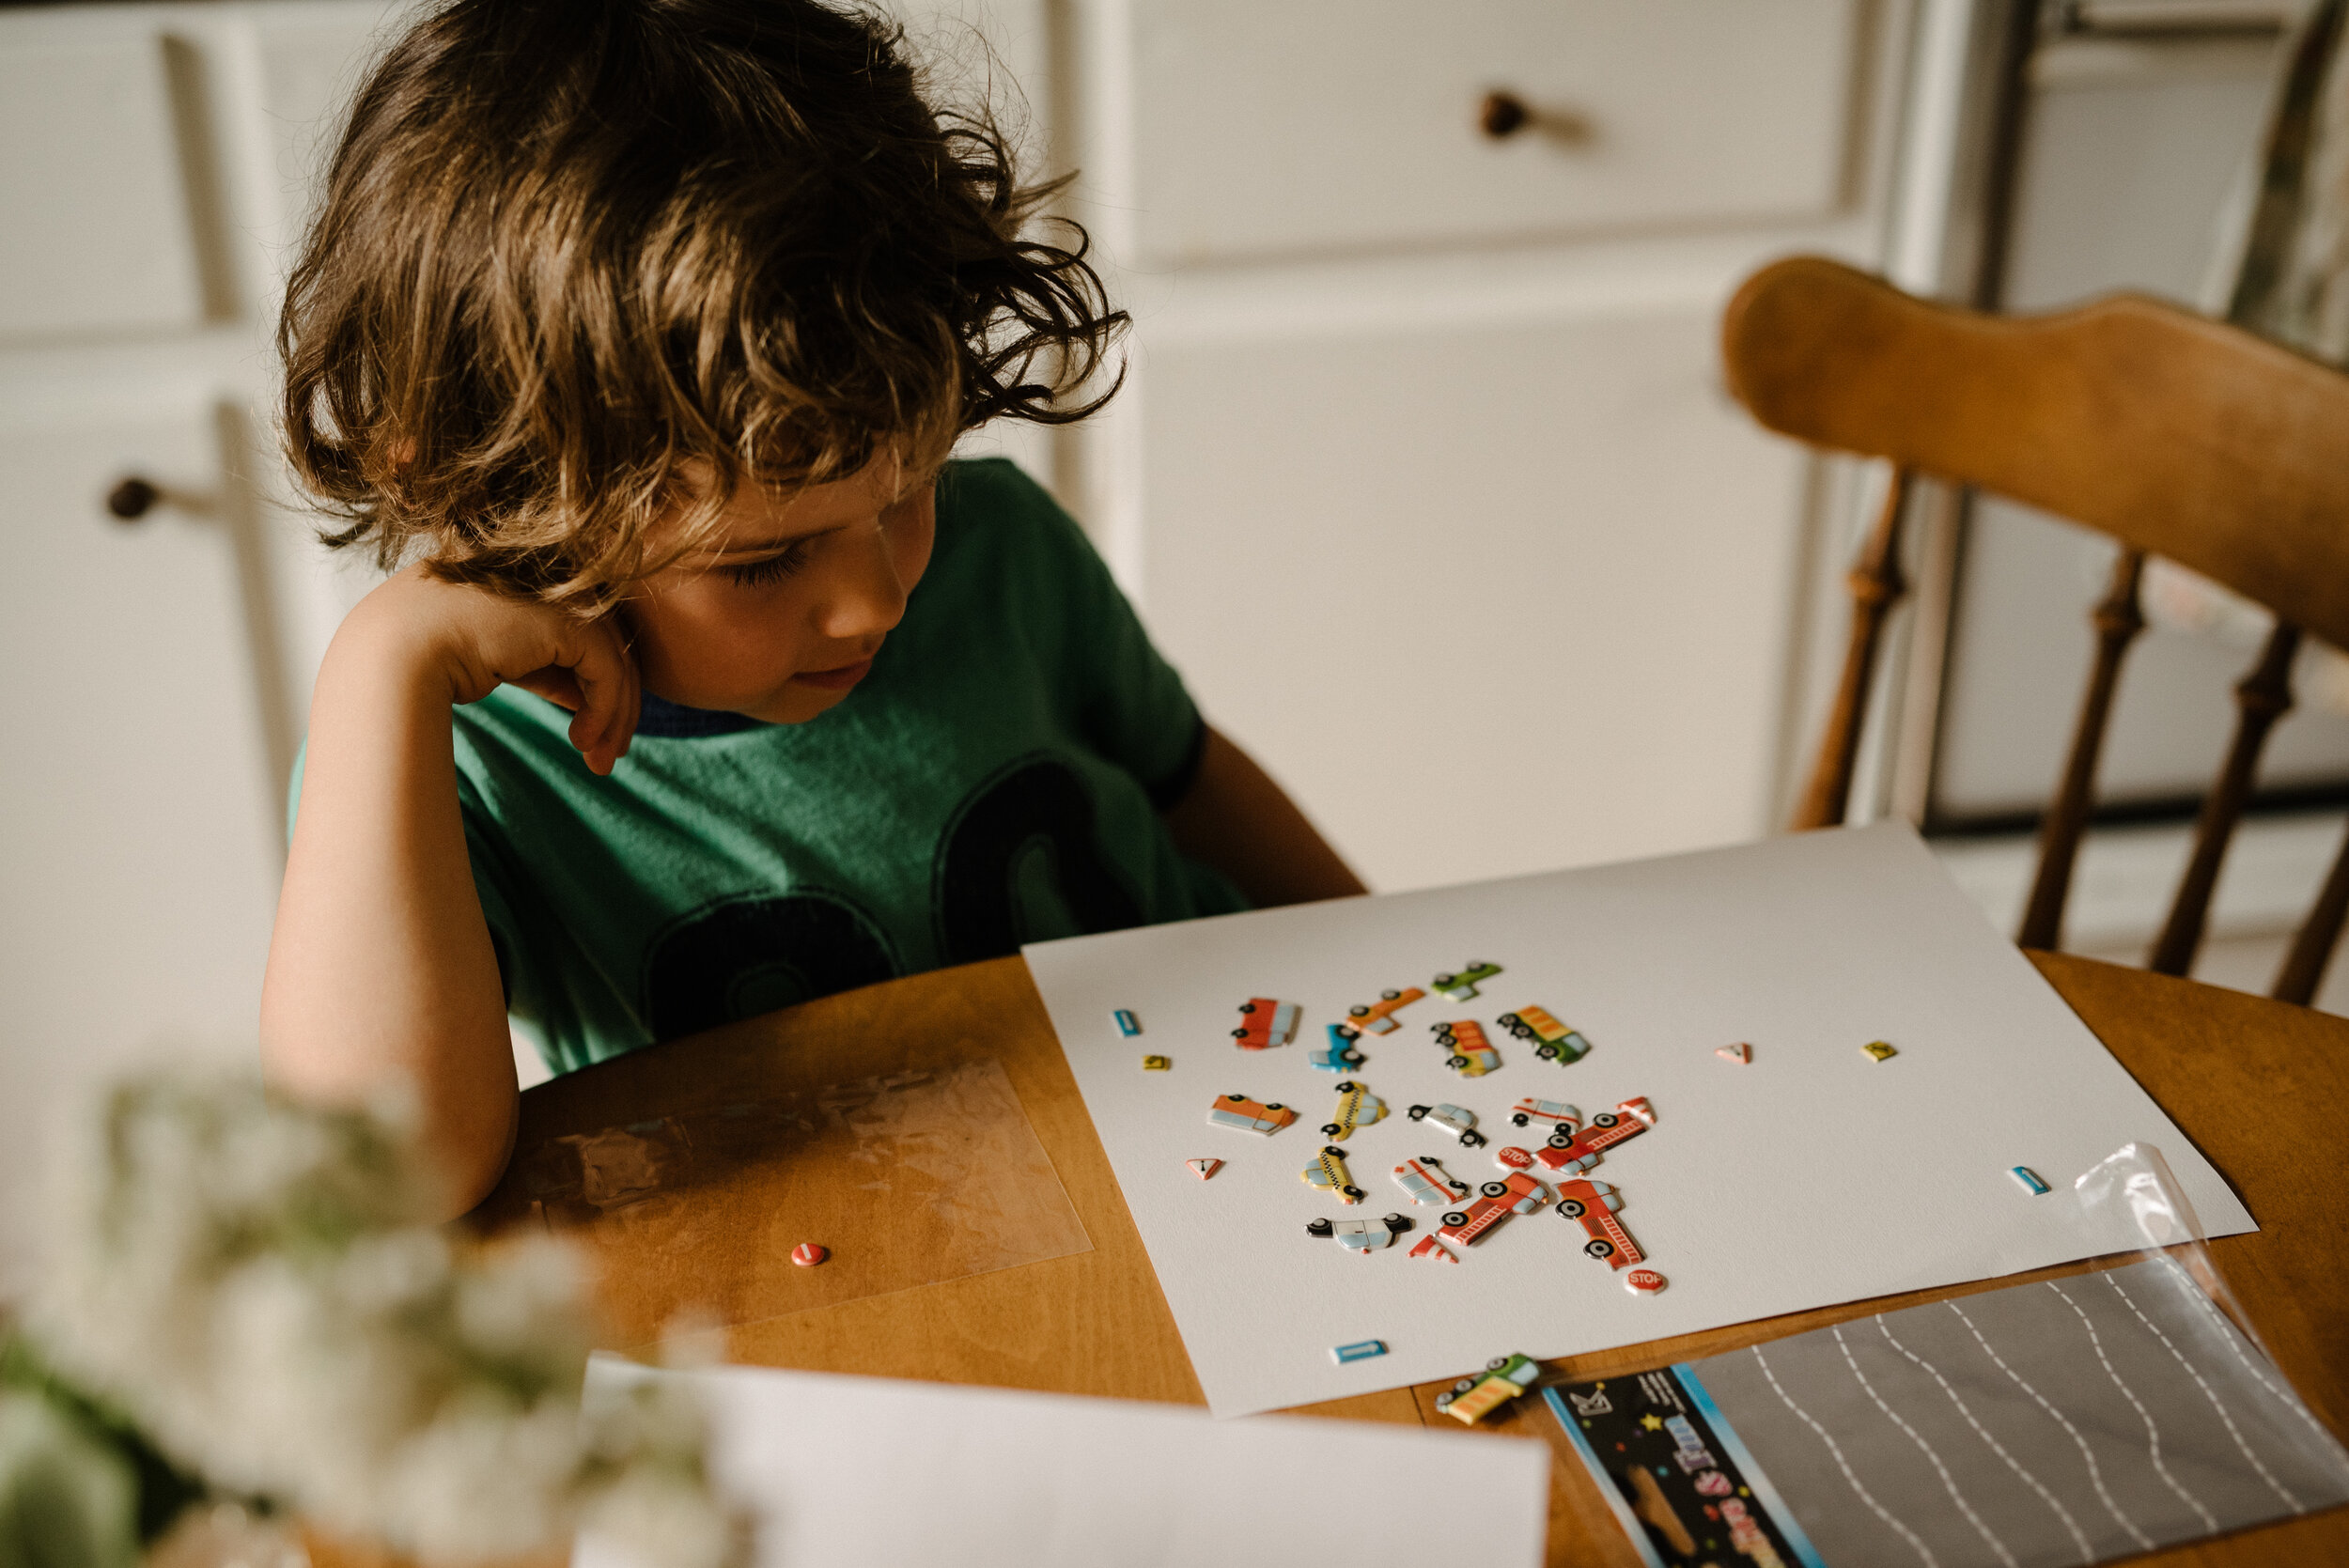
(990, 484)
(992, 506)
(1008, 564)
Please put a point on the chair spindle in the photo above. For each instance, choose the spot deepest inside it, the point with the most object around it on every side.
(2118, 619)
(2312, 949)
(2261, 697)
(1876, 583)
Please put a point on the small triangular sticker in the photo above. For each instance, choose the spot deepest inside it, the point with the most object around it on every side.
(1740, 1052)
(1202, 1169)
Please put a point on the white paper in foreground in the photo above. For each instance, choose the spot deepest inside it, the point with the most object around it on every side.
(1814, 1176)
(868, 1472)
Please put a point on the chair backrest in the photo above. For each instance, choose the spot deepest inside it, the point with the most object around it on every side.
(2177, 435)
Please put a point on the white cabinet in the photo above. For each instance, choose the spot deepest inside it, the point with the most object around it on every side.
(310, 59)
(141, 829)
(1489, 596)
(1424, 477)
(96, 237)
(157, 667)
(1320, 125)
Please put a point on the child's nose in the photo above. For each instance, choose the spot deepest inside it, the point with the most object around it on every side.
(870, 598)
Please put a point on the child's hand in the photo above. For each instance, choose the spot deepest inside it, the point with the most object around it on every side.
(475, 639)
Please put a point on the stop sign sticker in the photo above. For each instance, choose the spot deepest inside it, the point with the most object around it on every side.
(1510, 1157)
(1643, 1281)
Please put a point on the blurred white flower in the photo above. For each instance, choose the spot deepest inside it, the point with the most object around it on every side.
(63, 1496)
(250, 1280)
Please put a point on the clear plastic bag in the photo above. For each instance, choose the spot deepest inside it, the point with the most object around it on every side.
(2095, 1412)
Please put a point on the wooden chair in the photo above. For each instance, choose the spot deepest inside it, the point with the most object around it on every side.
(2177, 435)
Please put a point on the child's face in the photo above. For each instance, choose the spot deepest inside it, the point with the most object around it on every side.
(778, 614)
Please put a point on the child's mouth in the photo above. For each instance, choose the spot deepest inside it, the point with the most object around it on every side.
(838, 679)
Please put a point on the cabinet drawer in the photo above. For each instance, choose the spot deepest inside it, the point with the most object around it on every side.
(1323, 125)
(94, 212)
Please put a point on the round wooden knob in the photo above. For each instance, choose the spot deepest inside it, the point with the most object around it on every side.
(1502, 115)
(132, 498)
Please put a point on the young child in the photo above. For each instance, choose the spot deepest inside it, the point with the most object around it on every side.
(639, 331)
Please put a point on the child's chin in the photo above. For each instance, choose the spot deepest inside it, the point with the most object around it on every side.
(796, 704)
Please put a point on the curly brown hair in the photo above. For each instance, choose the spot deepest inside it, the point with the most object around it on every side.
(568, 245)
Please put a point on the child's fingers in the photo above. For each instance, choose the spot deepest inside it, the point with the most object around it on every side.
(554, 682)
(630, 706)
(609, 697)
(617, 700)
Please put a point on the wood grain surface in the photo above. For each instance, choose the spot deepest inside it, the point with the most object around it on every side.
(2262, 1087)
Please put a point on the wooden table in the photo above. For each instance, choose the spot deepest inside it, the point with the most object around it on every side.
(2262, 1087)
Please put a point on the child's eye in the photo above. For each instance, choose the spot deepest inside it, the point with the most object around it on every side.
(772, 569)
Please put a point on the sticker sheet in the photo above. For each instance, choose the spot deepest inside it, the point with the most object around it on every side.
(2067, 1422)
(1677, 1474)
(1688, 1044)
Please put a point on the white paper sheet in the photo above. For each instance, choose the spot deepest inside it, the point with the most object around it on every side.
(1811, 1175)
(866, 1472)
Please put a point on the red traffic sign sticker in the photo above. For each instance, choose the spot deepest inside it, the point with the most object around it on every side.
(1643, 1281)
(1510, 1157)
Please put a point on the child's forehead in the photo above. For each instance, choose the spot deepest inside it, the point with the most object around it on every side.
(759, 517)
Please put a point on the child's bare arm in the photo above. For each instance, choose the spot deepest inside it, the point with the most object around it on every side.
(381, 977)
(1237, 820)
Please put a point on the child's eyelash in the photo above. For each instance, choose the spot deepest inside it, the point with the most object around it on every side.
(772, 569)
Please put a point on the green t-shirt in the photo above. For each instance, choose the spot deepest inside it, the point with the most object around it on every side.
(995, 779)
